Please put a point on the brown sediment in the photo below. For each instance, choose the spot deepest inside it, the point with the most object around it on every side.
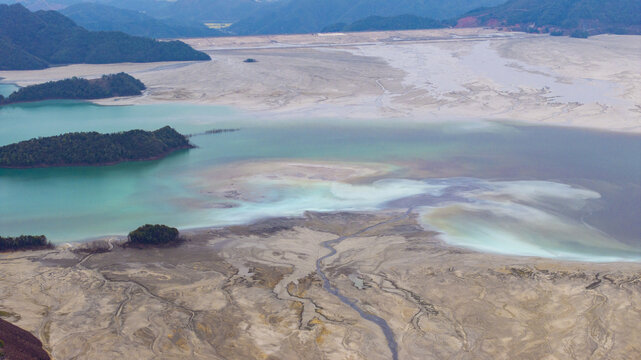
(252, 292)
(399, 74)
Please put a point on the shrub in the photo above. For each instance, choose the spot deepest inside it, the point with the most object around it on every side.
(154, 235)
(579, 34)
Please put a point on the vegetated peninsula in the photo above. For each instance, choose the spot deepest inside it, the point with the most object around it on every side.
(24, 242)
(107, 86)
(36, 40)
(92, 148)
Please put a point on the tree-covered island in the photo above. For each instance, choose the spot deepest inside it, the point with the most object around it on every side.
(154, 235)
(92, 148)
(107, 86)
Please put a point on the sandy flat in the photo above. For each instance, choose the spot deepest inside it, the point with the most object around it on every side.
(253, 292)
(425, 74)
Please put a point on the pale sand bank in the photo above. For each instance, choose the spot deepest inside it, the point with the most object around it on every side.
(426, 74)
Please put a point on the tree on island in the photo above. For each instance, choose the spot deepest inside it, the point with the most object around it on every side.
(154, 235)
(121, 84)
(92, 148)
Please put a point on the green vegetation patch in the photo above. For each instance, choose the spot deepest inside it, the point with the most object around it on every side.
(92, 148)
(107, 86)
(36, 40)
(583, 17)
(154, 235)
(23, 242)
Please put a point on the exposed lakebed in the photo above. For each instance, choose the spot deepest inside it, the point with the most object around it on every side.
(496, 187)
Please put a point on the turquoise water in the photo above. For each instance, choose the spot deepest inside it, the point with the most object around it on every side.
(496, 187)
(7, 89)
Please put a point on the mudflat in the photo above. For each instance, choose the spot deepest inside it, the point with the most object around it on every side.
(255, 291)
(428, 75)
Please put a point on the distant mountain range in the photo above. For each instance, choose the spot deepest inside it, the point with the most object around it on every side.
(590, 16)
(382, 23)
(36, 40)
(248, 16)
(305, 16)
(578, 18)
(93, 16)
(186, 18)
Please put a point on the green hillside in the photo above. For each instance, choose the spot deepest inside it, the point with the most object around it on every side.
(305, 16)
(380, 23)
(36, 40)
(591, 16)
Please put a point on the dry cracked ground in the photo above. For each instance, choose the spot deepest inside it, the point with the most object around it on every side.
(253, 292)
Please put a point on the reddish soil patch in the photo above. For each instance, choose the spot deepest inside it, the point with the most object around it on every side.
(20, 344)
(469, 21)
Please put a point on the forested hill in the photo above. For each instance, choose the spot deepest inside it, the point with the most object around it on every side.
(562, 16)
(107, 86)
(92, 148)
(305, 16)
(382, 23)
(36, 40)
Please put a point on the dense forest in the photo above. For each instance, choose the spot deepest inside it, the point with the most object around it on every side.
(380, 23)
(107, 86)
(306, 16)
(154, 235)
(92, 148)
(42, 38)
(578, 17)
(24, 242)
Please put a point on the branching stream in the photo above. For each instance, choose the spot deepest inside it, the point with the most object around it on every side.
(329, 244)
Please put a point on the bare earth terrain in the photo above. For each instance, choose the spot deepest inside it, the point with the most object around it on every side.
(253, 292)
(425, 74)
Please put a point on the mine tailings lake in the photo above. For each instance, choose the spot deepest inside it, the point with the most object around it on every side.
(527, 190)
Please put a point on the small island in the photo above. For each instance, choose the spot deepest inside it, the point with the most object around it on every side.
(107, 86)
(154, 235)
(92, 148)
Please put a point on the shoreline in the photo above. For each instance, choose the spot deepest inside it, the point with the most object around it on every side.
(120, 239)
